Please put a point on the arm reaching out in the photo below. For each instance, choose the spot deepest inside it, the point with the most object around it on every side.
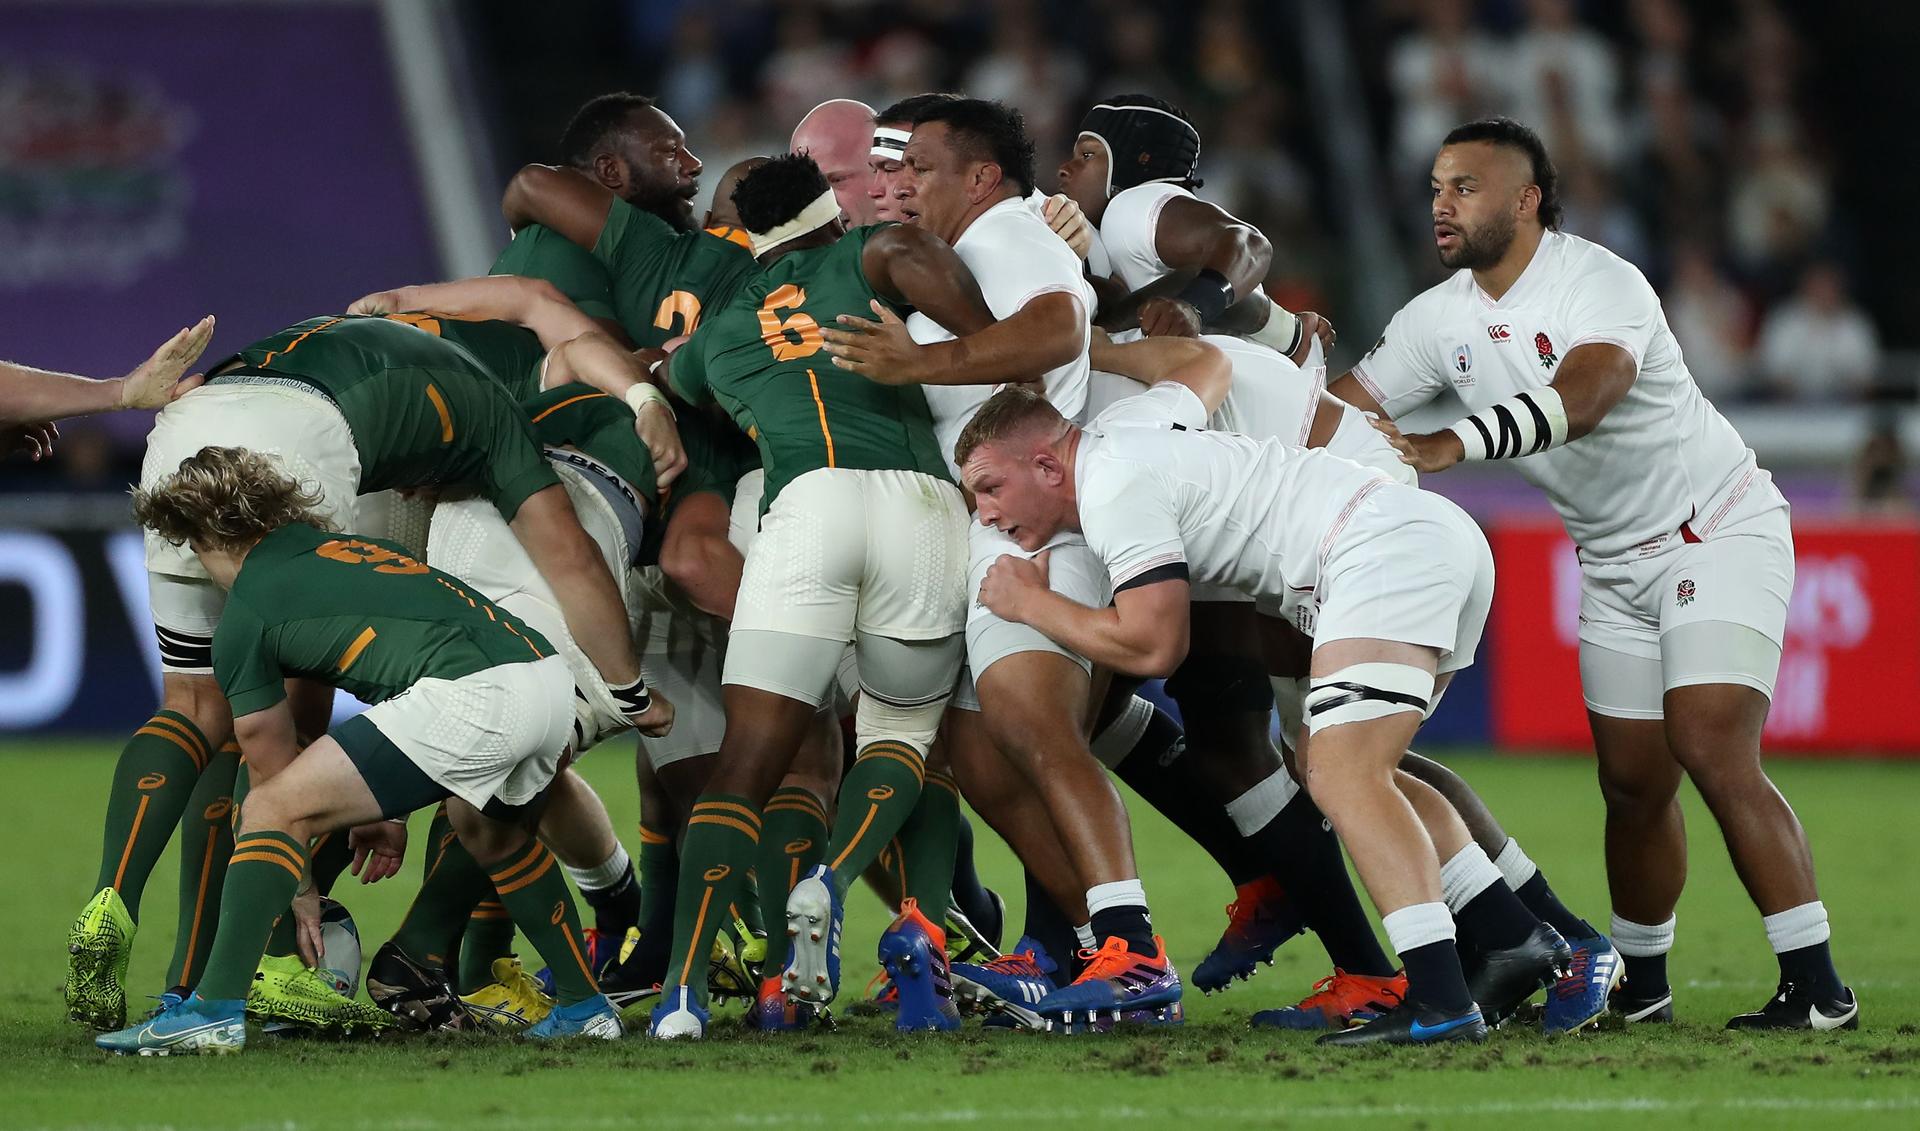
(35, 396)
(533, 303)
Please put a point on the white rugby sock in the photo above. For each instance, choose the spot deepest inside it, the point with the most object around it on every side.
(1252, 810)
(603, 875)
(1418, 925)
(1797, 927)
(1466, 875)
(1643, 940)
(1084, 932)
(1514, 865)
(1119, 893)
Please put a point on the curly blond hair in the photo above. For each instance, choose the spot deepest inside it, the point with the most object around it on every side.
(225, 499)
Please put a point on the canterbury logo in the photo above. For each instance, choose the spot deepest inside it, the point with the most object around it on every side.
(1500, 332)
(880, 793)
(796, 847)
(218, 810)
(152, 781)
(559, 913)
(716, 873)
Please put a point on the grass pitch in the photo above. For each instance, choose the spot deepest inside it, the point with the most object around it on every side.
(1864, 819)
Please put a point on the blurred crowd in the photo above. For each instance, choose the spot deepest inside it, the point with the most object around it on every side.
(1682, 130)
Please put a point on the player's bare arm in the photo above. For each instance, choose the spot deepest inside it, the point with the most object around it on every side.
(1591, 380)
(1143, 633)
(31, 396)
(535, 304)
(569, 202)
(1044, 334)
(697, 555)
(590, 601)
(1198, 365)
(595, 359)
(1230, 258)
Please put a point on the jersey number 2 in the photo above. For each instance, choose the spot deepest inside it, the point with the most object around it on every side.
(797, 336)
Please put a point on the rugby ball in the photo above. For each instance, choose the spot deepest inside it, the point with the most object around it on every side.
(340, 946)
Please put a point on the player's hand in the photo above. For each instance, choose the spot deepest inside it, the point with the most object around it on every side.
(34, 439)
(1011, 582)
(880, 351)
(1069, 223)
(1164, 317)
(655, 427)
(657, 720)
(158, 379)
(378, 850)
(1313, 326)
(1429, 452)
(379, 302)
(306, 926)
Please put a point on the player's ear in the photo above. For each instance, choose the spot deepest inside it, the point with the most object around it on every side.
(1529, 202)
(610, 171)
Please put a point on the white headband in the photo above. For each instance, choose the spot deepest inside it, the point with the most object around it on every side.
(824, 210)
(889, 142)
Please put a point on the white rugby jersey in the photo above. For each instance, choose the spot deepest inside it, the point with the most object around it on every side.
(1127, 230)
(1663, 457)
(1016, 258)
(1159, 496)
(1270, 398)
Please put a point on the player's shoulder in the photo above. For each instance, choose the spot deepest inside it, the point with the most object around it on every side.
(1452, 297)
(1581, 265)
(1011, 225)
(1140, 204)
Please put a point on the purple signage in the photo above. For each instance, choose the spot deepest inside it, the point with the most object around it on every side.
(163, 161)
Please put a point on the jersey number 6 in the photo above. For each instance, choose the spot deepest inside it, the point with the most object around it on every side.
(796, 337)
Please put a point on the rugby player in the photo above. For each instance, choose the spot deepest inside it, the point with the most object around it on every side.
(835, 134)
(351, 405)
(1019, 735)
(1160, 499)
(468, 704)
(1562, 353)
(1155, 233)
(841, 454)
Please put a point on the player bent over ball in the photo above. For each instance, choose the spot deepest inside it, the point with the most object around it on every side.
(469, 705)
(1161, 500)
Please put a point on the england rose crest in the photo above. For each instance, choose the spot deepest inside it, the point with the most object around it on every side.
(1683, 593)
(1543, 346)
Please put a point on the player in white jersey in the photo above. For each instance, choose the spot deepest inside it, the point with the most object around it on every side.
(1394, 583)
(967, 170)
(1563, 356)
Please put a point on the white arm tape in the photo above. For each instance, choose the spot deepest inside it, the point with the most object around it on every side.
(1281, 334)
(644, 394)
(1522, 425)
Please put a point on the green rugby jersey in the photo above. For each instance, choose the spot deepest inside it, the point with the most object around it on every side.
(760, 357)
(539, 252)
(509, 353)
(359, 614)
(665, 281)
(423, 411)
(600, 426)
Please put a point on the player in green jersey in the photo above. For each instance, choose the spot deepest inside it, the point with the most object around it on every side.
(625, 192)
(860, 536)
(347, 405)
(468, 704)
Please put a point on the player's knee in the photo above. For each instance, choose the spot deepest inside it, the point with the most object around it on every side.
(1638, 786)
(199, 698)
